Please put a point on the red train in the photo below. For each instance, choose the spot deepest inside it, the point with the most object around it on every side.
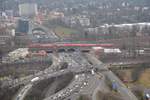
(65, 46)
(38, 45)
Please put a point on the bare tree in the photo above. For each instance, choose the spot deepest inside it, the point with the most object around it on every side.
(107, 96)
(83, 97)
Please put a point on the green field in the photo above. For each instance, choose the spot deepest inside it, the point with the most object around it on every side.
(64, 31)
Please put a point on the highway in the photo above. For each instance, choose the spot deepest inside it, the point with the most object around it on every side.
(26, 80)
(48, 73)
(41, 77)
(73, 87)
(77, 85)
(42, 74)
(77, 63)
(89, 87)
(82, 83)
(102, 86)
(122, 89)
(23, 92)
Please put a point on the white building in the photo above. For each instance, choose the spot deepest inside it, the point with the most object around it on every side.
(28, 9)
(84, 21)
(93, 30)
(56, 15)
(116, 50)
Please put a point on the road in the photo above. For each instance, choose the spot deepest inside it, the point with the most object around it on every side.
(54, 73)
(26, 80)
(74, 86)
(47, 73)
(125, 92)
(100, 87)
(81, 67)
(50, 35)
(88, 87)
(75, 62)
(23, 92)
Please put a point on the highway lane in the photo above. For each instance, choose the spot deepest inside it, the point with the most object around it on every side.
(76, 64)
(102, 86)
(77, 85)
(88, 87)
(75, 61)
(51, 73)
(51, 69)
(42, 75)
(74, 86)
(26, 80)
(125, 92)
(26, 88)
(23, 92)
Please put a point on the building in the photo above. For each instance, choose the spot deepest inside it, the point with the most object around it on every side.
(92, 30)
(22, 27)
(55, 15)
(6, 38)
(28, 9)
(84, 21)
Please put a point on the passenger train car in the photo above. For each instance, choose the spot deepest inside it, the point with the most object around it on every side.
(65, 47)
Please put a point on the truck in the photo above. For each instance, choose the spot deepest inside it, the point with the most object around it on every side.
(114, 86)
(92, 72)
(35, 79)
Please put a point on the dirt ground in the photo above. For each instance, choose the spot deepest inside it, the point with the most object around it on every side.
(144, 78)
(135, 79)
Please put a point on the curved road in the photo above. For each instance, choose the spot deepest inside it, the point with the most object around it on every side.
(122, 89)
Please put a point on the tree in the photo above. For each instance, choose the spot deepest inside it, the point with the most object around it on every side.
(86, 34)
(83, 97)
(107, 96)
(112, 32)
(136, 73)
(134, 31)
(0, 56)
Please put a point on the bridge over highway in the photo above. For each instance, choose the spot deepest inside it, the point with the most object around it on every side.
(123, 90)
(128, 65)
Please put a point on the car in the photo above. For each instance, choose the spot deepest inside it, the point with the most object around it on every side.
(18, 98)
(62, 70)
(71, 90)
(76, 86)
(35, 79)
(85, 83)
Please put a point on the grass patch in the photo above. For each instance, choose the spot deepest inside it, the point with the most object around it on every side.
(144, 78)
(64, 31)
